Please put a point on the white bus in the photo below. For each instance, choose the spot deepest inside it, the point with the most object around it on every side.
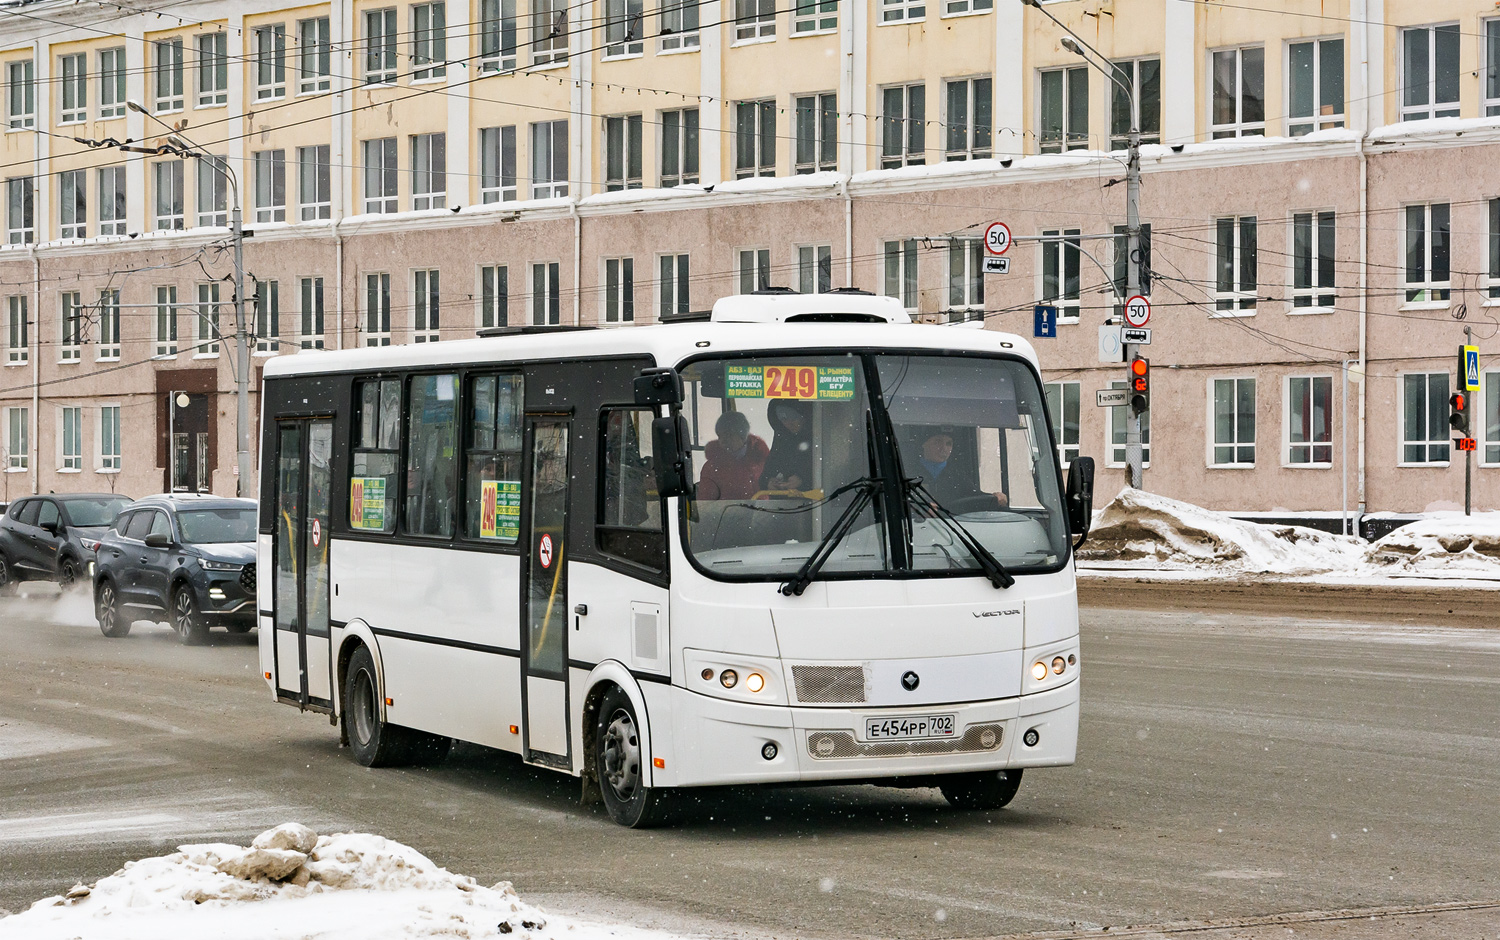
(799, 540)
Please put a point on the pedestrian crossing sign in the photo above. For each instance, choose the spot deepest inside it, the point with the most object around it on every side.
(1469, 360)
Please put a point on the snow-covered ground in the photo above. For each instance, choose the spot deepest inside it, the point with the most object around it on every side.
(292, 883)
(1142, 532)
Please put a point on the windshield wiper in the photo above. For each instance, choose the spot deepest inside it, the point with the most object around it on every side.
(865, 487)
(991, 566)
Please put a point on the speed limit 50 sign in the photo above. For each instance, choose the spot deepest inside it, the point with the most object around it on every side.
(1137, 311)
(997, 238)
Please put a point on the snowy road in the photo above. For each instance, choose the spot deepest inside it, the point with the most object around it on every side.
(1230, 767)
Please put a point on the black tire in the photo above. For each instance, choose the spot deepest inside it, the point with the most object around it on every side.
(989, 789)
(376, 743)
(620, 764)
(68, 573)
(186, 619)
(8, 577)
(112, 623)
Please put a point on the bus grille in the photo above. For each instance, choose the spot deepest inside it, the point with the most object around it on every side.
(833, 685)
(247, 578)
(831, 745)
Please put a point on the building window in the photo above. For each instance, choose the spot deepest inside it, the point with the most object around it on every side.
(267, 317)
(1239, 106)
(1122, 265)
(1118, 425)
(429, 44)
(18, 457)
(903, 126)
(672, 290)
(549, 32)
(270, 185)
(18, 348)
(755, 270)
(429, 171)
(679, 147)
(1143, 76)
(73, 72)
(901, 272)
(20, 210)
(377, 309)
(619, 290)
(109, 437)
(380, 46)
(425, 306)
(314, 56)
(166, 320)
(902, 11)
(549, 159)
(960, 7)
(73, 204)
(213, 191)
(969, 135)
(167, 74)
(270, 62)
(112, 82)
(1234, 423)
(1312, 260)
(545, 308)
(1427, 275)
(622, 152)
(1493, 274)
(1424, 418)
(213, 69)
(207, 316)
(1315, 86)
(312, 313)
(169, 209)
(1429, 72)
(754, 138)
(966, 279)
(497, 164)
(754, 20)
(1237, 263)
(622, 28)
(497, 35)
(1063, 399)
(816, 16)
(380, 175)
(1064, 113)
(817, 144)
(815, 269)
(1309, 420)
(1491, 419)
(494, 296)
(1061, 253)
(679, 26)
(20, 97)
(72, 438)
(314, 194)
(109, 324)
(112, 200)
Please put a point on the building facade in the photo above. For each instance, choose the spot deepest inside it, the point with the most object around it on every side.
(1319, 187)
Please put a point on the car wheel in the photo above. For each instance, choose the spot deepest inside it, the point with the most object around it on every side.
(619, 762)
(107, 608)
(67, 573)
(374, 742)
(989, 789)
(185, 617)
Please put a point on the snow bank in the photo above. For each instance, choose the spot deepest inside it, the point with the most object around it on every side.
(292, 883)
(1441, 545)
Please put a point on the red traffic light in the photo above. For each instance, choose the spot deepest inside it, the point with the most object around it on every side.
(1142, 366)
(1456, 402)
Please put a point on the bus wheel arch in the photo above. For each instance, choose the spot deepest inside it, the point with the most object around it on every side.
(357, 635)
(615, 715)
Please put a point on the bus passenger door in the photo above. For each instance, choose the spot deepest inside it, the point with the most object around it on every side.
(304, 488)
(544, 599)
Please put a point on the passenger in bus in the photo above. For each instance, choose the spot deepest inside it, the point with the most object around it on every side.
(944, 478)
(733, 463)
(790, 464)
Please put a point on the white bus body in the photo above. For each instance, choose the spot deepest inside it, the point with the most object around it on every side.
(464, 540)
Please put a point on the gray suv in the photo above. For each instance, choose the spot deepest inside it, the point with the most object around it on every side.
(184, 558)
(52, 538)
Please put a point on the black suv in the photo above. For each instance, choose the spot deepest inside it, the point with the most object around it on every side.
(189, 557)
(52, 538)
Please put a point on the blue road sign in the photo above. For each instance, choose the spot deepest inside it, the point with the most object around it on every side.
(1044, 321)
(1471, 368)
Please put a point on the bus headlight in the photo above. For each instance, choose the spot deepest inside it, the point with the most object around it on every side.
(755, 682)
(1039, 671)
(750, 679)
(728, 678)
(1059, 664)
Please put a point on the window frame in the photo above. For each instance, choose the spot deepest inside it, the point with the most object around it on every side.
(1242, 124)
(680, 23)
(753, 269)
(1129, 70)
(73, 88)
(166, 321)
(1072, 133)
(820, 17)
(893, 12)
(497, 164)
(617, 301)
(901, 269)
(211, 54)
(1488, 413)
(1231, 267)
(269, 62)
(1429, 292)
(321, 183)
(377, 309)
(965, 294)
(624, 29)
(270, 185)
(213, 192)
(1061, 249)
(974, 145)
(678, 136)
(20, 94)
(623, 154)
(176, 214)
(1299, 125)
(18, 438)
(1431, 107)
(429, 41)
(393, 496)
(166, 75)
(754, 21)
(1440, 443)
(492, 299)
(20, 200)
(312, 319)
(551, 161)
(74, 223)
(1236, 446)
(1290, 418)
(814, 268)
(1060, 420)
(112, 75)
(379, 166)
(70, 440)
(754, 138)
(655, 539)
(267, 314)
(545, 306)
(549, 33)
(206, 312)
(426, 305)
(1315, 266)
(314, 55)
(497, 36)
(674, 284)
(108, 334)
(517, 380)
(382, 63)
(429, 171)
(816, 113)
(1115, 453)
(952, 8)
(111, 447)
(117, 222)
(18, 330)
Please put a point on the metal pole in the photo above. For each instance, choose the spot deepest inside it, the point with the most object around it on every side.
(1134, 453)
(1463, 379)
(241, 357)
(171, 442)
(1344, 457)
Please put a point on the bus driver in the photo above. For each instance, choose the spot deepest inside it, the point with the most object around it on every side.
(948, 483)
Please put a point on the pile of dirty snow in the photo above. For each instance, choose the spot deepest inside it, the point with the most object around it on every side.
(292, 883)
(1440, 545)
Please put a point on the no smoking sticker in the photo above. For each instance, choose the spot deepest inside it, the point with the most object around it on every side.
(317, 533)
(544, 551)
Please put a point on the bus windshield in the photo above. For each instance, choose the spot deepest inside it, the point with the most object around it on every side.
(787, 445)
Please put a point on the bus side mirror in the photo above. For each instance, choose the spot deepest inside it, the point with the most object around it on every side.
(655, 387)
(674, 464)
(1080, 497)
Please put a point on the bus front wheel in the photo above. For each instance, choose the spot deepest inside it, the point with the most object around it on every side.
(376, 743)
(989, 789)
(620, 764)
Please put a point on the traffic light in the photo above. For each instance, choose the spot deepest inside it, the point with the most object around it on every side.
(1140, 384)
(1458, 413)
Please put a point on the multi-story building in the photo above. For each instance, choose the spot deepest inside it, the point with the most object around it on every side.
(1319, 186)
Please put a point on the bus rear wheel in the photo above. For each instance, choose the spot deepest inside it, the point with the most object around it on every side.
(376, 743)
(988, 789)
(620, 764)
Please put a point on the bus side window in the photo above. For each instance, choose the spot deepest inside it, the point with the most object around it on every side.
(630, 512)
(432, 456)
(377, 450)
(492, 458)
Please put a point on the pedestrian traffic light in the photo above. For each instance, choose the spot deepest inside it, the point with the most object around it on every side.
(1140, 384)
(1458, 413)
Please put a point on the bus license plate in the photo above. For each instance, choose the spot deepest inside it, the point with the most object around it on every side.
(919, 726)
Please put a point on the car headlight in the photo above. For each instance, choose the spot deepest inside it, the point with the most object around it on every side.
(208, 564)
